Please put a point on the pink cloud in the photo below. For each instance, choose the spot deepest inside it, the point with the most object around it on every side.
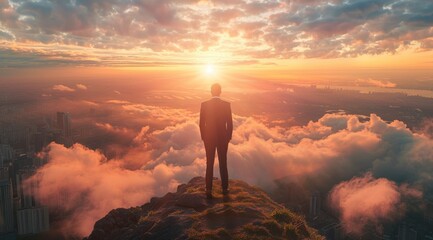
(81, 180)
(81, 86)
(62, 88)
(364, 201)
(377, 83)
(115, 101)
(111, 128)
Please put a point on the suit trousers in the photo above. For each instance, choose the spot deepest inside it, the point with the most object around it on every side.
(221, 147)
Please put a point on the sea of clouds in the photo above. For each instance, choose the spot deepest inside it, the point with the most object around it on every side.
(371, 167)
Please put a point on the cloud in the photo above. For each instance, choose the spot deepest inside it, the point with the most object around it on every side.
(366, 200)
(111, 128)
(81, 180)
(263, 29)
(426, 127)
(62, 88)
(90, 103)
(377, 83)
(81, 86)
(167, 150)
(115, 101)
(6, 35)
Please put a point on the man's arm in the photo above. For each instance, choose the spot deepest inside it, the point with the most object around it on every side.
(229, 123)
(202, 121)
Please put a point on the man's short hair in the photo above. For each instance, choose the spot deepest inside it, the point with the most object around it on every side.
(215, 89)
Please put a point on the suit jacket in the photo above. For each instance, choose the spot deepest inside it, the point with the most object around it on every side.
(216, 124)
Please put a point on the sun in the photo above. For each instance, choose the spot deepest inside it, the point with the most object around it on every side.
(209, 70)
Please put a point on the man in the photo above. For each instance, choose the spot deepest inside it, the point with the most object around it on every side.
(216, 127)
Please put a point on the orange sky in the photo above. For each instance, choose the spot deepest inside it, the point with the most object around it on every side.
(312, 41)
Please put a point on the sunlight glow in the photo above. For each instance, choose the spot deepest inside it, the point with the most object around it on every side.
(210, 70)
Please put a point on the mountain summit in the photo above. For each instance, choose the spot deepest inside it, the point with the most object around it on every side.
(246, 213)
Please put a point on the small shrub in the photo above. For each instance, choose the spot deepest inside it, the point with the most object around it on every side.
(285, 216)
(255, 230)
(217, 234)
(291, 231)
(273, 227)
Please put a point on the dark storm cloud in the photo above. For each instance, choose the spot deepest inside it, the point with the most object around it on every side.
(264, 29)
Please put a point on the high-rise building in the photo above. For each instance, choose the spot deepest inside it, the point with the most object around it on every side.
(428, 212)
(64, 123)
(314, 205)
(6, 206)
(26, 193)
(333, 231)
(39, 141)
(6, 154)
(33, 220)
(406, 232)
(4, 173)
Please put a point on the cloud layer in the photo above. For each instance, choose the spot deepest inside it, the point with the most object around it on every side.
(167, 150)
(365, 201)
(64, 88)
(243, 29)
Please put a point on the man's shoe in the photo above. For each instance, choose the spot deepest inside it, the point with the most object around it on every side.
(225, 192)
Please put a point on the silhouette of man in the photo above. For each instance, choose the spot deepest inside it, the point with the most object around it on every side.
(216, 127)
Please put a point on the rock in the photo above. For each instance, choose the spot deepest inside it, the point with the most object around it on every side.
(195, 201)
(247, 213)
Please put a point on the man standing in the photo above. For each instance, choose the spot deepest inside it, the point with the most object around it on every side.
(216, 127)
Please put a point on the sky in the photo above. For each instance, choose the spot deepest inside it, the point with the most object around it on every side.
(279, 39)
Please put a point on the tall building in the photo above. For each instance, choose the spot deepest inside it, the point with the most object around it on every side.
(314, 205)
(33, 220)
(26, 194)
(333, 231)
(64, 123)
(6, 154)
(4, 173)
(39, 141)
(428, 212)
(6, 206)
(406, 232)
(31, 217)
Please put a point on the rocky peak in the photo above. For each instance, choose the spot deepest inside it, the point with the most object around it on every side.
(247, 213)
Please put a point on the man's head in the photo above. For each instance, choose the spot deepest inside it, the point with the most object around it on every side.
(215, 89)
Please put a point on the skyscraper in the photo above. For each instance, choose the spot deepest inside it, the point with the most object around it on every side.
(32, 218)
(6, 154)
(64, 123)
(314, 205)
(26, 194)
(6, 206)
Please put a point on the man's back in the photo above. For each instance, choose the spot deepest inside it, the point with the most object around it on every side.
(216, 121)
(216, 127)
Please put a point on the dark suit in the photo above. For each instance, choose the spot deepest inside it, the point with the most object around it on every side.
(216, 127)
